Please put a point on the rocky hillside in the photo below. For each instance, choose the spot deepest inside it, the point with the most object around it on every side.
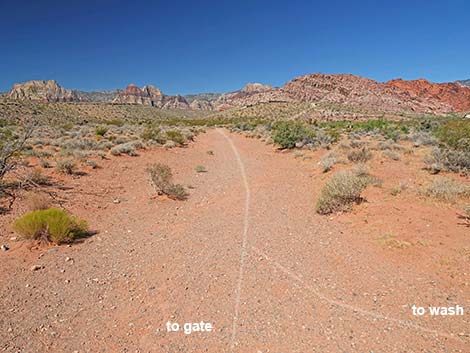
(453, 94)
(98, 96)
(355, 91)
(42, 91)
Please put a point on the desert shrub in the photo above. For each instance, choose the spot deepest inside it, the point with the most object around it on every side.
(327, 162)
(391, 155)
(341, 192)
(288, 133)
(465, 216)
(52, 225)
(44, 163)
(449, 159)
(101, 130)
(422, 138)
(151, 133)
(200, 169)
(66, 166)
(176, 192)
(91, 163)
(161, 177)
(37, 201)
(455, 134)
(361, 170)
(38, 178)
(11, 146)
(446, 189)
(175, 136)
(125, 148)
(362, 155)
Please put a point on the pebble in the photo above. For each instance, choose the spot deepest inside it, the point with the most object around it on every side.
(67, 259)
(5, 248)
(36, 267)
(116, 201)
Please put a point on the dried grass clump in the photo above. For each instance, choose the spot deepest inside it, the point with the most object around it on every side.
(161, 177)
(341, 192)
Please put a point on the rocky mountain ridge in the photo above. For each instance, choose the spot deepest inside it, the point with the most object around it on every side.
(337, 89)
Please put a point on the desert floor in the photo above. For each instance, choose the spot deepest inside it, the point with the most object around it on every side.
(247, 253)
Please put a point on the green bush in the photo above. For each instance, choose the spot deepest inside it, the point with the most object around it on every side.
(153, 134)
(101, 130)
(288, 133)
(52, 225)
(340, 192)
(455, 134)
(175, 136)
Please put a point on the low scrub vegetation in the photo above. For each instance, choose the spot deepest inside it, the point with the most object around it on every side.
(360, 156)
(341, 192)
(50, 225)
(67, 166)
(161, 177)
(446, 189)
(288, 133)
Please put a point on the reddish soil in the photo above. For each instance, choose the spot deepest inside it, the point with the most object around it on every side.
(258, 263)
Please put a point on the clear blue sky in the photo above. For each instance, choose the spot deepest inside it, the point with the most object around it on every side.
(216, 46)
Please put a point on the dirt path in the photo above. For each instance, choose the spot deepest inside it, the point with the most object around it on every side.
(245, 252)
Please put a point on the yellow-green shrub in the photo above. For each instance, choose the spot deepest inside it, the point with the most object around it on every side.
(53, 225)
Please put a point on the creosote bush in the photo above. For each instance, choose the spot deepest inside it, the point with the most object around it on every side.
(362, 155)
(341, 192)
(176, 136)
(66, 166)
(288, 133)
(51, 225)
(161, 177)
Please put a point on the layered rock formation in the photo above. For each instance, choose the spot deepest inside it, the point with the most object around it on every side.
(454, 94)
(42, 91)
(345, 89)
(150, 95)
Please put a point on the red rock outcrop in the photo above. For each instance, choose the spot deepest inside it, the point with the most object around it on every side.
(454, 94)
(342, 89)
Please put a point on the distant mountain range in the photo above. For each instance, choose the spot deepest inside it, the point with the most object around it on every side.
(343, 89)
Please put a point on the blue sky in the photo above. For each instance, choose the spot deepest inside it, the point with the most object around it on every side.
(217, 46)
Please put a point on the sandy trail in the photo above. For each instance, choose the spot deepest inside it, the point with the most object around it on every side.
(245, 252)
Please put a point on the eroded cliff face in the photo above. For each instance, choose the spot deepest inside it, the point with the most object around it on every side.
(150, 95)
(42, 91)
